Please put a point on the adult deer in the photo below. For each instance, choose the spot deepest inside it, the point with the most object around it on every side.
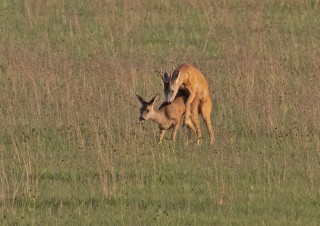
(168, 116)
(187, 77)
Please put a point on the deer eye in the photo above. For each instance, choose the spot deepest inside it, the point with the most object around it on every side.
(147, 110)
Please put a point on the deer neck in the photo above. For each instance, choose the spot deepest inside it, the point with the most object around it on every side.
(160, 118)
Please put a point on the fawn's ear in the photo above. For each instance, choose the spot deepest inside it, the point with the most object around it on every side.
(151, 102)
(142, 101)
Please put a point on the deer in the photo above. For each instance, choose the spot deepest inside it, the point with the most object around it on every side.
(189, 78)
(169, 115)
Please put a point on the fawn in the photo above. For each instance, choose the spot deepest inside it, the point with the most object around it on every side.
(187, 77)
(169, 115)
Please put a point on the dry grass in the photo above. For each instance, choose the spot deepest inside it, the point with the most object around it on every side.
(72, 150)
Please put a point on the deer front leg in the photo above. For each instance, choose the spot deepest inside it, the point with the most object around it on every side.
(187, 116)
(162, 132)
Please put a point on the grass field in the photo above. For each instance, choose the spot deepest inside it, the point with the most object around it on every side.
(72, 150)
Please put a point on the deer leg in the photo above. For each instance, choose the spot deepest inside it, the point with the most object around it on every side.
(195, 117)
(190, 125)
(206, 108)
(162, 132)
(175, 131)
(188, 108)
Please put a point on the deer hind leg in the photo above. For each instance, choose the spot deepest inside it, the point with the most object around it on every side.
(162, 132)
(175, 130)
(191, 125)
(195, 117)
(205, 109)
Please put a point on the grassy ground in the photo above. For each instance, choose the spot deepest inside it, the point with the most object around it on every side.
(72, 151)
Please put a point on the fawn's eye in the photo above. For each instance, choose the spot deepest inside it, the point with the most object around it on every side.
(147, 111)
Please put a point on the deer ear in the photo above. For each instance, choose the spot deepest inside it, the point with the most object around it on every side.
(153, 100)
(142, 101)
(175, 75)
(166, 77)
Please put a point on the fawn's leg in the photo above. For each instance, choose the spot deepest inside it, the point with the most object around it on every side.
(175, 130)
(162, 132)
(193, 128)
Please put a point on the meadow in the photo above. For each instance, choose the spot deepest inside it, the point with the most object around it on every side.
(72, 151)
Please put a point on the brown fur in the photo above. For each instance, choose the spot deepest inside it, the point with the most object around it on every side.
(187, 77)
(169, 115)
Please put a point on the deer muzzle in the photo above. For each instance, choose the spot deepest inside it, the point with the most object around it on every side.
(141, 119)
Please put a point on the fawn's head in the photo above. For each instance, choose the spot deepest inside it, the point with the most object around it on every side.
(171, 84)
(147, 108)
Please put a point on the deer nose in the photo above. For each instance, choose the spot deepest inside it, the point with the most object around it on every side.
(141, 119)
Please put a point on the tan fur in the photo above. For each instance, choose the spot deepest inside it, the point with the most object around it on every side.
(168, 116)
(189, 78)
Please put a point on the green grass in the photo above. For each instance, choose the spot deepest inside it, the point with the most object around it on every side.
(73, 153)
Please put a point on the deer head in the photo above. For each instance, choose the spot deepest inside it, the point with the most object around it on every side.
(147, 110)
(170, 83)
